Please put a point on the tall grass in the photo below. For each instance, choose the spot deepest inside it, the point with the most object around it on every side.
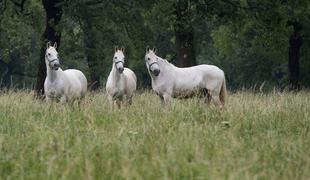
(257, 136)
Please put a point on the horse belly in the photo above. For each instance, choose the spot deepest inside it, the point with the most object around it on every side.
(181, 94)
(76, 85)
(188, 86)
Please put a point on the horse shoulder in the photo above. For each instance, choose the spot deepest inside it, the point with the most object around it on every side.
(130, 75)
(163, 85)
(109, 84)
(75, 75)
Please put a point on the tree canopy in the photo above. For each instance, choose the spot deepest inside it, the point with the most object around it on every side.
(253, 41)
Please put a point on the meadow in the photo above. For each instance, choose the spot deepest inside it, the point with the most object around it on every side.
(257, 136)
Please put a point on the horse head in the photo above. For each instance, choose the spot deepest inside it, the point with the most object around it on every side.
(151, 61)
(119, 59)
(51, 56)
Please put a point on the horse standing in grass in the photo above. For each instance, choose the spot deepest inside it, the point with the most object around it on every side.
(122, 82)
(68, 85)
(170, 81)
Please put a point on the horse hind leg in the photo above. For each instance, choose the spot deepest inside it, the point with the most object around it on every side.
(207, 96)
(216, 100)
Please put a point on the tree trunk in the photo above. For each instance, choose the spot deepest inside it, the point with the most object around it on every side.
(185, 49)
(91, 55)
(94, 83)
(184, 34)
(53, 15)
(294, 54)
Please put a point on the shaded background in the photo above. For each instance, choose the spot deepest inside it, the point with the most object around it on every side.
(255, 42)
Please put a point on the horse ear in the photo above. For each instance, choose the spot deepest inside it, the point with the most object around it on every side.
(147, 49)
(55, 45)
(48, 44)
(123, 49)
(115, 48)
(154, 49)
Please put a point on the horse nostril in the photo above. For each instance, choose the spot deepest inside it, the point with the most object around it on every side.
(120, 69)
(56, 66)
(156, 72)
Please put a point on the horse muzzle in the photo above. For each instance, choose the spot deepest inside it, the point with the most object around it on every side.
(156, 72)
(121, 70)
(119, 66)
(56, 66)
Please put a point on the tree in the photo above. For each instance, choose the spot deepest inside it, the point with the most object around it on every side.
(184, 34)
(19, 26)
(53, 9)
(294, 54)
(273, 30)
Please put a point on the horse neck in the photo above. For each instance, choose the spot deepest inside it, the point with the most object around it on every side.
(116, 75)
(164, 65)
(165, 68)
(52, 75)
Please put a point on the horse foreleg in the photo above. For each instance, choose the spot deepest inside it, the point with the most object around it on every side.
(118, 103)
(129, 100)
(81, 103)
(166, 99)
(47, 99)
(63, 99)
(110, 99)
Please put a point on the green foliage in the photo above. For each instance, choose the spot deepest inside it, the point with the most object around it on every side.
(249, 40)
(19, 43)
(223, 35)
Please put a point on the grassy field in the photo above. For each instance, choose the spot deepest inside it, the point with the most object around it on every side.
(258, 136)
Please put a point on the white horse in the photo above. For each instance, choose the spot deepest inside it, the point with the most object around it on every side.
(122, 82)
(170, 81)
(68, 85)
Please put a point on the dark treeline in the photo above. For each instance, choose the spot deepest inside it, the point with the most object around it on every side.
(254, 41)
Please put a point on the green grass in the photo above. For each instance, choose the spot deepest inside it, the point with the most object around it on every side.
(267, 138)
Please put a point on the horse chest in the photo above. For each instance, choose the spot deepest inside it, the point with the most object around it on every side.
(54, 89)
(54, 92)
(117, 91)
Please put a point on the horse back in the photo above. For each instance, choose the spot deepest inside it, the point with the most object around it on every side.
(191, 79)
(77, 78)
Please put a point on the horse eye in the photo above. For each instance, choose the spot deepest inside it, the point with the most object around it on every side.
(49, 54)
(148, 59)
(115, 57)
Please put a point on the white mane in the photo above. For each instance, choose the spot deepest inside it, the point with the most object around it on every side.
(165, 62)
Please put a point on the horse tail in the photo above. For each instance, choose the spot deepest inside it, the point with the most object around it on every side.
(223, 92)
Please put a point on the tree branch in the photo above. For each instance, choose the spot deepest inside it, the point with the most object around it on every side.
(3, 5)
(20, 5)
